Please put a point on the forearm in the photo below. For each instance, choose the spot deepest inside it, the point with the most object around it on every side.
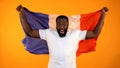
(25, 23)
(99, 26)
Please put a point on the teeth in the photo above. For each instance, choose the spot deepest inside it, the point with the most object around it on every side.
(62, 31)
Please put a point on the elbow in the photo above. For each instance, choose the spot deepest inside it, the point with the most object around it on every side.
(91, 34)
(34, 34)
(30, 34)
(96, 35)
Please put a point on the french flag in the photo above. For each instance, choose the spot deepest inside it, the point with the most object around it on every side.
(45, 21)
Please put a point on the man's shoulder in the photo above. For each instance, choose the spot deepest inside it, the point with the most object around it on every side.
(78, 31)
(48, 30)
(44, 29)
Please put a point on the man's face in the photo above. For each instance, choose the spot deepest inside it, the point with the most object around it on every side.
(62, 26)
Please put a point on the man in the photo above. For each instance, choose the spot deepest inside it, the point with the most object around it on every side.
(62, 43)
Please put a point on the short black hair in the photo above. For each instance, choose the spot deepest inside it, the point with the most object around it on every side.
(62, 16)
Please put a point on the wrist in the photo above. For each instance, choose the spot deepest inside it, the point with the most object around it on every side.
(103, 13)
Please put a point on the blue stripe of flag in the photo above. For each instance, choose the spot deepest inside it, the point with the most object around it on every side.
(36, 21)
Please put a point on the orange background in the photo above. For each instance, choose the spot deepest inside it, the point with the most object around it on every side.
(13, 54)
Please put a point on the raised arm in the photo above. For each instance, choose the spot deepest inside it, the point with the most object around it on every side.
(98, 28)
(26, 26)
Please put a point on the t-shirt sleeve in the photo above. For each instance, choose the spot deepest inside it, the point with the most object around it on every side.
(82, 35)
(42, 34)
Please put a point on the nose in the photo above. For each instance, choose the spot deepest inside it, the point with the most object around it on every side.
(61, 26)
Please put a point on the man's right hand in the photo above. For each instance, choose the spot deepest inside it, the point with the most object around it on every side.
(105, 10)
(19, 8)
(31, 32)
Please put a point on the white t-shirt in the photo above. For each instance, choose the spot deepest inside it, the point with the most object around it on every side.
(62, 50)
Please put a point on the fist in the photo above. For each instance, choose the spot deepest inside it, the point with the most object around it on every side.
(19, 8)
(105, 9)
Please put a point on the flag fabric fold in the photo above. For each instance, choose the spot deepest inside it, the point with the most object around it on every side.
(88, 22)
(45, 21)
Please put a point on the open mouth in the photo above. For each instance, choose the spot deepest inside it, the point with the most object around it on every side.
(62, 31)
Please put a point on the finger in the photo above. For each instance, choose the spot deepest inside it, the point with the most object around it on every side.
(19, 8)
(106, 9)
